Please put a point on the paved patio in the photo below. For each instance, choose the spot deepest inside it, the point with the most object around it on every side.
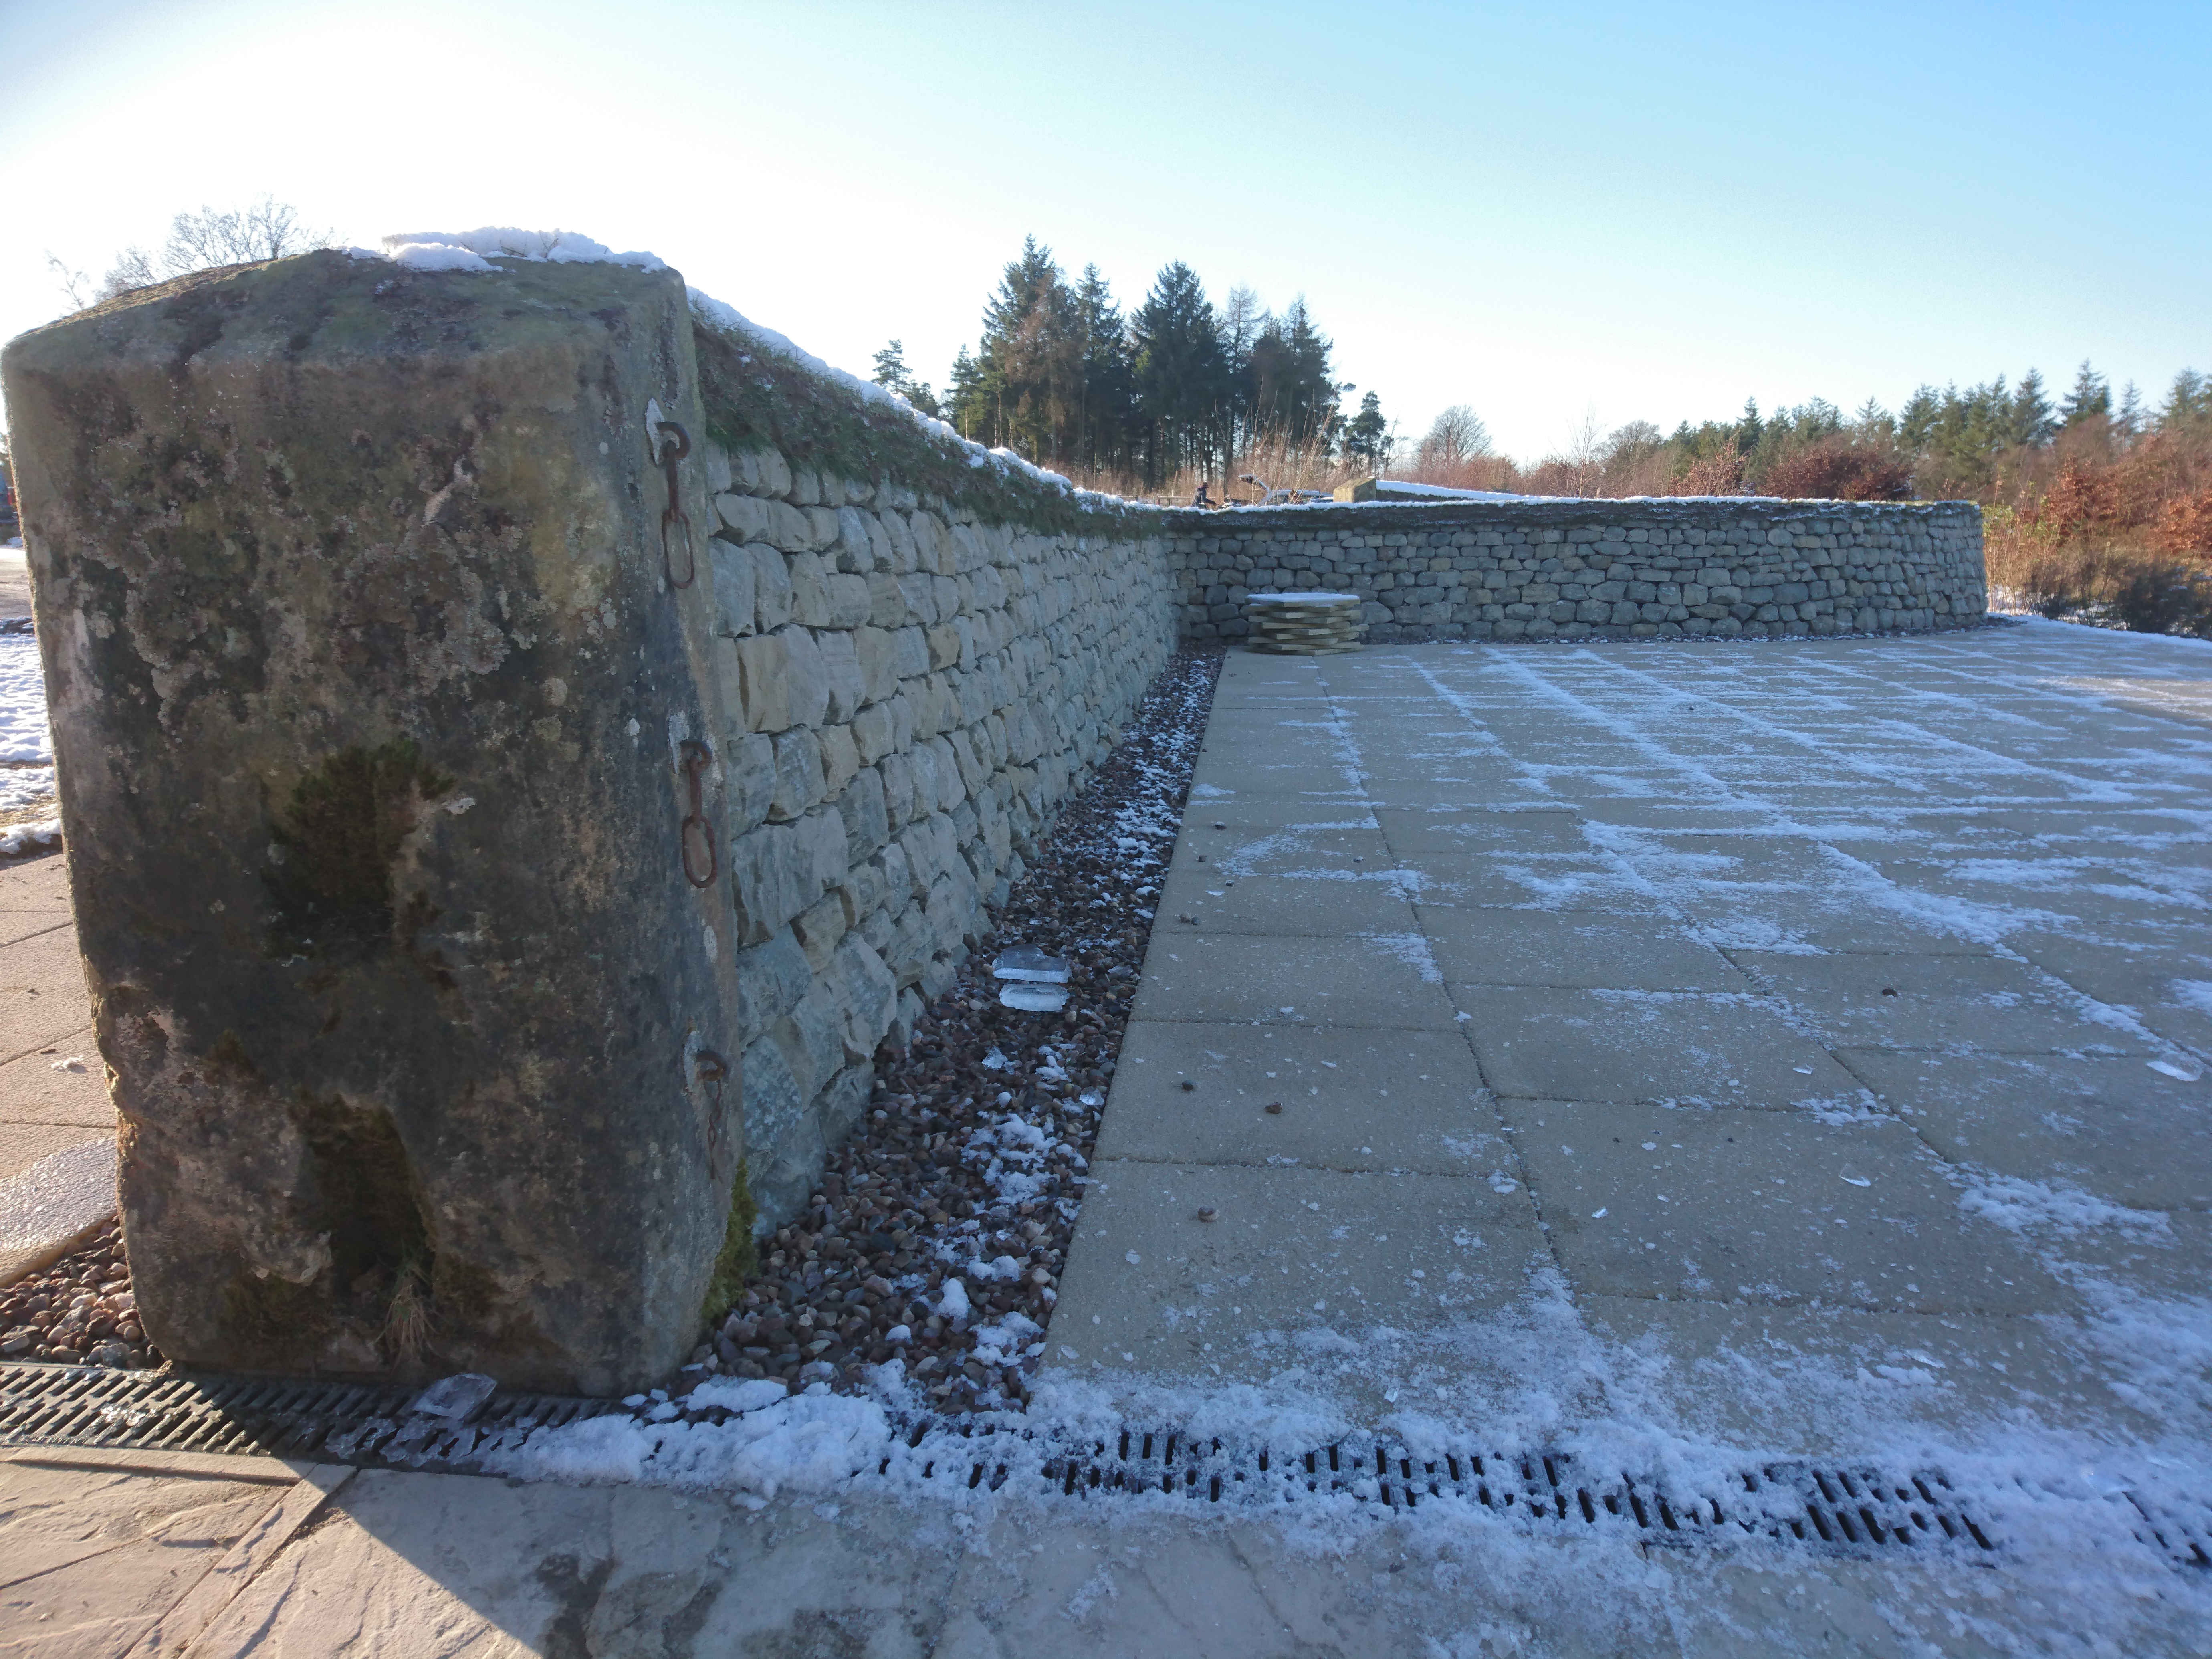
(1792, 1048)
(1837, 1000)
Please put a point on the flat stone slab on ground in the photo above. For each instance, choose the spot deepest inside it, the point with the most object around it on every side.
(1351, 1099)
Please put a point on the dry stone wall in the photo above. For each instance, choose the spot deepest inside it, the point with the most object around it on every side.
(911, 691)
(1616, 569)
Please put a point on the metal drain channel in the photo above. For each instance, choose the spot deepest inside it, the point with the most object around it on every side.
(1853, 1510)
(48, 1405)
(1826, 1507)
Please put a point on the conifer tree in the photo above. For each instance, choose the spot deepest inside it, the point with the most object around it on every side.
(2091, 396)
(1367, 434)
(1108, 413)
(1183, 381)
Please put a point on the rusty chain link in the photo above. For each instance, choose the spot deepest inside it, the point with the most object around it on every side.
(697, 757)
(675, 523)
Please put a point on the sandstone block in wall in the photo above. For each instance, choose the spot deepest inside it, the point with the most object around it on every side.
(733, 574)
(771, 979)
(872, 733)
(759, 472)
(840, 760)
(748, 767)
(806, 677)
(773, 601)
(847, 683)
(809, 590)
(817, 929)
(861, 808)
(798, 778)
(773, 879)
(351, 602)
(867, 995)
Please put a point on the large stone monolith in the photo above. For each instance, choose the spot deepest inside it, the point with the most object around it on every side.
(372, 696)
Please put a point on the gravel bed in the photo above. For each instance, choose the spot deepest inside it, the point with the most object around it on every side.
(78, 1311)
(941, 1226)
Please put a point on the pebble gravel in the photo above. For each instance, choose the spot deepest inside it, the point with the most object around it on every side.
(79, 1311)
(940, 1227)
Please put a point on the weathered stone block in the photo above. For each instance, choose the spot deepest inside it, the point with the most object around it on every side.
(840, 759)
(771, 979)
(799, 779)
(846, 681)
(364, 564)
(773, 878)
(732, 570)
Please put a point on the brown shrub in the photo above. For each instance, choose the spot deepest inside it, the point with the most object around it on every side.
(2185, 525)
(1835, 469)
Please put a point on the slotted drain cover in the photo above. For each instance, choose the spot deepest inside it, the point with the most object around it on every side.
(338, 1422)
(1823, 1507)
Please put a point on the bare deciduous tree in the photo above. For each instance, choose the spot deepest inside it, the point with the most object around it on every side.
(1457, 435)
(213, 237)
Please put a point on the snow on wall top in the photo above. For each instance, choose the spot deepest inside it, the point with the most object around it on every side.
(474, 250)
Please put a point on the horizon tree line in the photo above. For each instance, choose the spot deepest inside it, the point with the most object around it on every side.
(1064, 377)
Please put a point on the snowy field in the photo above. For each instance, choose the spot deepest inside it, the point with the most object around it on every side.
(26, 748)
(1692, 1059)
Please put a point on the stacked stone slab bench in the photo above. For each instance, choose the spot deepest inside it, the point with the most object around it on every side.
(1538, 569)
(1304, 625)
(523, 744)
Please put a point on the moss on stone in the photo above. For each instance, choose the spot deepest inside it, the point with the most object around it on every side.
(267, 1320)
(753, 397)
(340, 834)
(738, 1260)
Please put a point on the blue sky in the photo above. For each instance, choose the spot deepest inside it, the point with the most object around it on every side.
(1553, 213)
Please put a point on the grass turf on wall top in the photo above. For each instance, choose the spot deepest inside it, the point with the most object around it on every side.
(754, 395)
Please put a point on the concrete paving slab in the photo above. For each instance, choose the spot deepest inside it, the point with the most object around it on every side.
(42, 992)
(30, 923)
(1710, 1050)
(23, 1145)
(1298, 1267)
(1479, 829)
(482, 1567)
(35, 886)
(1360, 1100)
(1909, 1001)
(2112, 1126)
(91, 1558)
(2166, 985)
(50, 1206)
(64, 1082)
(1368, 982)
(1569, 879)
(1304, 903)
(1766, 1206)
(1573, 949)
(1805, 1381)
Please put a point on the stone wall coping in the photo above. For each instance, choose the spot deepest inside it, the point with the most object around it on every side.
(1667, 511)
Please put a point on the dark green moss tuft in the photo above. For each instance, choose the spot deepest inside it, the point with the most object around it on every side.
(738, 1260)
(754, 397)
(339, 837)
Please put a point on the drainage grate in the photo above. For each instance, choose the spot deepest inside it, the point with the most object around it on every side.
(1827, 1507)
(1852, 1509)
(84, 1406)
